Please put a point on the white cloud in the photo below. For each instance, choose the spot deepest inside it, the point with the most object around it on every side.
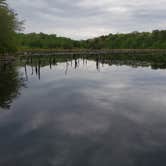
(82, 19)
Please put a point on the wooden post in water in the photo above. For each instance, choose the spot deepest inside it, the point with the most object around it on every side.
(50, 63)
(26, 74)
(39, 63)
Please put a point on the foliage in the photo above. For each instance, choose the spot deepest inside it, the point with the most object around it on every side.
(8, 26)
(144, 40)
(135, 40)
(44, 41)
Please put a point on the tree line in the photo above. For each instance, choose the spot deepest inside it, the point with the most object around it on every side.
(12, 40)
(134, 40)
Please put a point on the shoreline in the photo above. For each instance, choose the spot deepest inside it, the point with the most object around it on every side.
(36, 52)
(53, 52)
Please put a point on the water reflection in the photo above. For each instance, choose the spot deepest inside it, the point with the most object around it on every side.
(10, 84)
(11, 81)
(153, 61)
(84, 110)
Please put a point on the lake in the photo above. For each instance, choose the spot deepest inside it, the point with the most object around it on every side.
(83, 111)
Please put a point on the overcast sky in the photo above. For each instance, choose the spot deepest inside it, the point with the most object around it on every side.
(81, 19)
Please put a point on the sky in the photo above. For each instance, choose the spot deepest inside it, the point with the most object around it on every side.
(82, 19)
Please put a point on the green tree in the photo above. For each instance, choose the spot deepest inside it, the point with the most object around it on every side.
(8, 26)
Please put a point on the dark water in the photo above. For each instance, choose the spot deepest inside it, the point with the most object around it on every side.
(74, 111)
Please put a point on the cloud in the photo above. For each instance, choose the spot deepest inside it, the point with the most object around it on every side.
(81, 19)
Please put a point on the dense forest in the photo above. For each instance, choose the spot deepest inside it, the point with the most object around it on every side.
(12, 40)
(134, 40)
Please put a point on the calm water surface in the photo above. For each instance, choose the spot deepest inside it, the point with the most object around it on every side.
(82, 112)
